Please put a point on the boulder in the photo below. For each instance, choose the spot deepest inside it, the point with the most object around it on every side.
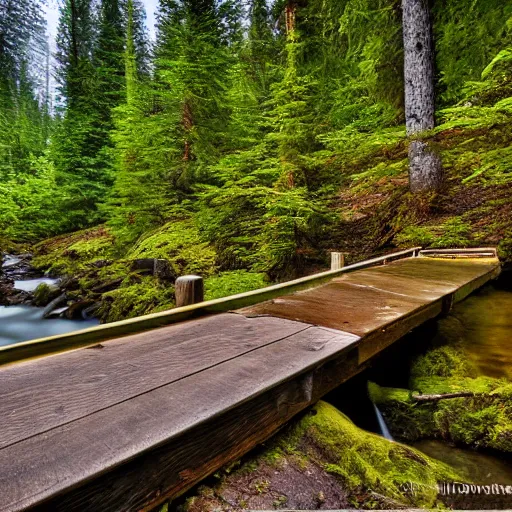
(44, 294)
(75, 311)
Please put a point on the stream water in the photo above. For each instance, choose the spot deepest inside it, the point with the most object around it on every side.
(483, 324)
(24, 322)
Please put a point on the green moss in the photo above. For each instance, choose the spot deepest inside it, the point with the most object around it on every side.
(70, 254)
(443, 361)
(180, 243)
(481, 421)
(43, 294)
(364, 460)
(131, 300)
(231, 283)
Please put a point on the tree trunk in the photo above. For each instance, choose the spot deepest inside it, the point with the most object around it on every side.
(290, 13)
(425, 167)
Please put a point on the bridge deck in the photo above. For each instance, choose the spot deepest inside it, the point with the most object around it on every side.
(135, 420)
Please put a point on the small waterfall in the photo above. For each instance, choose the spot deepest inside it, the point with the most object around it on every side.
(384, 431)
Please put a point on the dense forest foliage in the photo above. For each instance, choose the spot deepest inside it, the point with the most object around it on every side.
(249, 138)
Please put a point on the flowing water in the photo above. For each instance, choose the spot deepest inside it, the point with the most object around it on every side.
(31, 284)
(384, 430)
(23, 323)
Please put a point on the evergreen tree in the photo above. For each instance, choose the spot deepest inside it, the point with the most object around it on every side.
(109, 57)
(22, 118)
(78, 141)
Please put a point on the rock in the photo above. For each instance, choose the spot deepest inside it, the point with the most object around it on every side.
(20, 297)
(44, 294)
(56, 313)
(156, 267)
(6, 290)
(69, 283)
(89, 312)
(102, 263)
(54, 304)
(107, 287)
(75, 311)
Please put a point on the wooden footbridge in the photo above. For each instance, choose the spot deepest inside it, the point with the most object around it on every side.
(108, 420)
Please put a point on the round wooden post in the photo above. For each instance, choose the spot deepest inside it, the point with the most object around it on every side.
(337, 260)
(189, 290)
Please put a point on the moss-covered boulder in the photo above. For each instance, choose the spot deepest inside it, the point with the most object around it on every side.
(324, 461)
(44, 294)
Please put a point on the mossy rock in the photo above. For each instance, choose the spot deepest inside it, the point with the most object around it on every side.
(71, 253)
(323, 460)
(145, 296)
(44, 294)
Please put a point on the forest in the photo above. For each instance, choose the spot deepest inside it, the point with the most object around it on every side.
(246, 141)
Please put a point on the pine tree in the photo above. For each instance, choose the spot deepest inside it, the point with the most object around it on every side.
(80, 137)
(109, 57)
(22, 117)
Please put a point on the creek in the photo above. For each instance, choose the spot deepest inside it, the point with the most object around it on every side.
(25, 322)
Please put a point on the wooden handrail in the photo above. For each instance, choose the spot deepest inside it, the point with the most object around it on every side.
(93, 335)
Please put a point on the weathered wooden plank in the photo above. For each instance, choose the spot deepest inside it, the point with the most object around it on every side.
(403, 287)
(379, 339)
(160, 443)
(39, 395)
(455, 272)
(341, 305)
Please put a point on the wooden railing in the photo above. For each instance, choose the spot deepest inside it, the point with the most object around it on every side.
(89, 337)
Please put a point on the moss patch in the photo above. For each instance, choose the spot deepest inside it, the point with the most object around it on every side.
(325, 461)
(180, 243)
(231, 283)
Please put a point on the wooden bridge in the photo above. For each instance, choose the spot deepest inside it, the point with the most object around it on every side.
(125, 424)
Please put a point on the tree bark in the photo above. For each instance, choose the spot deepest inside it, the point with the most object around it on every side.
(425, 168)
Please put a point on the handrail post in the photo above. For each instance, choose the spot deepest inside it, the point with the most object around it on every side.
(337, 260)
(189, 290)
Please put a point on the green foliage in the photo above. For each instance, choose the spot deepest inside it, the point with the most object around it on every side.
(136, 299)
(250, 143)
(468, 36)
(231, 283)
(180, 243)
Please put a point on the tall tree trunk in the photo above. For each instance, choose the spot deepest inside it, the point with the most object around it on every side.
(425, 166)
(291, 14)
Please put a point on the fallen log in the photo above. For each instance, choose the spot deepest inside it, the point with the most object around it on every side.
(435, 398)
